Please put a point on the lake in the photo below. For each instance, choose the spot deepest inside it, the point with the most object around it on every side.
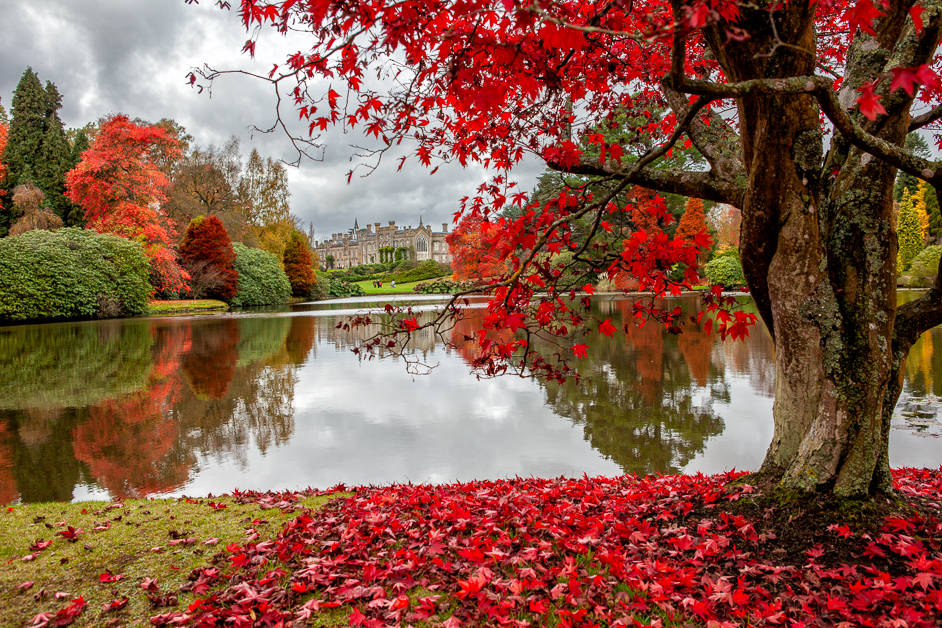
(274, 399)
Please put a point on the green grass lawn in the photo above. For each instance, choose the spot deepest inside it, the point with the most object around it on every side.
(186, 305)
(400, 288)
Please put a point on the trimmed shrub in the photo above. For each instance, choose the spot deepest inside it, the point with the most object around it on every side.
(71, 273)
(298, 265)
(207, 254)
(426, 270)
(261, 279)
(725, 271)
(443, 286)
(923, 269)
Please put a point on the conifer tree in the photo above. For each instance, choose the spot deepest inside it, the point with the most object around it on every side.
(919, 205)
(76, 214)
(693, 221)
(207, 250)
(36, 146)
(908, 232)
(299, 266)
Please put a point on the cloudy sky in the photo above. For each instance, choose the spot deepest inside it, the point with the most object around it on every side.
(132, 57)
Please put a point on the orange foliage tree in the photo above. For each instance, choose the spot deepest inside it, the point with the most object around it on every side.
(473, 258)
(693, 221)
(299, 265)
(726, 220)
(120, 188)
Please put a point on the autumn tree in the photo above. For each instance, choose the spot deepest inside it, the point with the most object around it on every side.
(264, 190)
(471, 258)
(725, 220)
(207, 254)
(299, 265)
(121, 188)
(28, 206)
(809, 160)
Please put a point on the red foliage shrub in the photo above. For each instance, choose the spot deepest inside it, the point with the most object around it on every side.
(206, 240)
(299, 265)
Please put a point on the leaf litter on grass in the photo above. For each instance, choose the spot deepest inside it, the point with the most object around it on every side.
(656, 551)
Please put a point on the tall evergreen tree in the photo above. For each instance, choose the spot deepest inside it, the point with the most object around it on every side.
(909, 233)
(76, 215)
(36, 145)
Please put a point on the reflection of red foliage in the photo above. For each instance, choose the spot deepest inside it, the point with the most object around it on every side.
(126, 442)
(648, 342)
(301, 338)
(211, 361)
(8, 490)
(697, 346)
(473, 258)
(464, 335)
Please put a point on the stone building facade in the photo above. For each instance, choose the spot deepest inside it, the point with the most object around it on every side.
(362, 245)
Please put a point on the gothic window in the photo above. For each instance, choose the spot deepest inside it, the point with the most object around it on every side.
(421, 244)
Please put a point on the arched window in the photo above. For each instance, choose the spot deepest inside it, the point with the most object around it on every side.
(421, 244)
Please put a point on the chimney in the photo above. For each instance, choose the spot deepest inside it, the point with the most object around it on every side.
(392, 223)
(376, 224)
(444, 227)
(369, 228)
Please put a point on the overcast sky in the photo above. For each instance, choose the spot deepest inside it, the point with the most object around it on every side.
(132, 57)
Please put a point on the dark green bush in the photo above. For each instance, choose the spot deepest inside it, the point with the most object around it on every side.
(71, 273)
(725, 271)
(443, 286)
(426, 270)
(339, 289)
(261, 278)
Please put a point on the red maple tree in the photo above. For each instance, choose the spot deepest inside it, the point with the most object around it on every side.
(120, 187)
(207, 242)
(822, 95)
(472, 258)
(4, 130)
(299, 265)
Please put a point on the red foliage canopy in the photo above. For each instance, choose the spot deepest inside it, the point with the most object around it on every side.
(472, 258)
(4, 129)
(206, 240)
(120, 188)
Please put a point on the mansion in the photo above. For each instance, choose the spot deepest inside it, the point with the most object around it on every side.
(365, 246)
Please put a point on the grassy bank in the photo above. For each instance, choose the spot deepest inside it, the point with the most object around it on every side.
(184, 306)
(706, 551)
(103, 553)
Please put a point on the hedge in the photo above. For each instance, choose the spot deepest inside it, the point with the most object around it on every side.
(261, 278)
(71, 273)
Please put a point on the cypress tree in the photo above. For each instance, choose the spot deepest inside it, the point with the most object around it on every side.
(36, 146)
(909, 233)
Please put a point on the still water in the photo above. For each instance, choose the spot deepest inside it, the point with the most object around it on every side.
(275, 399)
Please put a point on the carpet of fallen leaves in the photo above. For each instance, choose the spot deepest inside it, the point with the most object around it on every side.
(654, 551)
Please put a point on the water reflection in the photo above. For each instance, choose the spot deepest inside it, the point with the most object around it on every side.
(203, 404)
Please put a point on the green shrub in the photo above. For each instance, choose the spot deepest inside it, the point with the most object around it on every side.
(924, 267)
(732, 251)
(443, 286)
(261, 278)
(320, 287)
(725, 271)
(428, 269)
(71, 273)
(340, 289)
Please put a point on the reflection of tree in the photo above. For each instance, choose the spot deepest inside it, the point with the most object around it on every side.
(697, 346)
(464, 334)
(211, 360)
(128, 443)
(44, 465)
(301, 339)
(919, 365)
(635, 398)
(72, 364)
(8, 490)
